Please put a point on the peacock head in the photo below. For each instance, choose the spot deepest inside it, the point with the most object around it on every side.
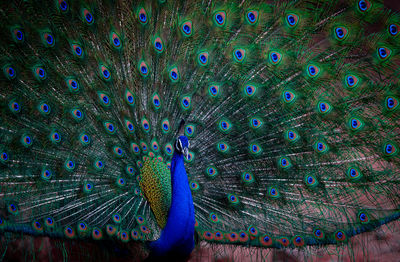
(182, 145)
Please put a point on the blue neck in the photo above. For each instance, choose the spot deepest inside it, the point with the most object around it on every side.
(177, 236)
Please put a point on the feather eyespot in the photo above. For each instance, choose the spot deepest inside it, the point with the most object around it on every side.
(186, 28)
(124, 236)
(69, 165)
(214, 218)
(390, 149)
(194, 186)
(129, 98)
(321, 147)
(145, 125)
(55, 137)
(118, 152)
(144, 147)
(135, 148)
(87, 16)
(116, 218)
(202, 58)
(394, 29)
(211, 171)
(291, 136)
(239, 54)
(130, 170)
(48, 39)
(275, 57)
(165, 126)
(72, 84)
(78, 52)
(364, 5)
(355, 124)
(243, 237)
(44, 108)
(298, 241)
(156, 101)
(190, 130)
(351, 81)
(115, 40)
(12, 208)
(142, 15)
(87, 187)
(105, 73)
(121, 181)
(266, 240)
(17, 34)
(9, 72)
(168, 149)
(284, 162)
(391, 103)
(135, 234)
(185, 102)
(84, 139)
(324, 107)
(340, 236)
(63, 6)
(143, 69)
(4, 157)
(313, 71)
(363, 217)
(273, 192)
(82, 227)
(14, 106)
(224, 125)
(218, 236)
(384, 53)
(255, 149)
(158, 45)
(353, 173)
(129, 126)
(253, 231)
(213, 90)
(247, 177)
(292, 20)
(252, 17)
(155, 146)
(40, 73)
(77, 114)
(288, 97)
(69, 232)
(109, 127)
(97, 234)
(111, 230)
(255, 123)
(99, 165)
(311, 180)
(104, 99)
(37, 226)
(233, 199)
(341, 33)
(174, 74)
(222, 147)
(208, 235)
(220, 18)
(319, 234)
(249, 90)
(26, 140)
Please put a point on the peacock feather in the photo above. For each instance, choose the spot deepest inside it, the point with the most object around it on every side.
(268, 124)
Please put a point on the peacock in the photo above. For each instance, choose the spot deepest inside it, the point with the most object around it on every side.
(262, 124)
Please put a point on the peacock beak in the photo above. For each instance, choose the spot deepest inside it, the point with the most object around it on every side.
(186, 152)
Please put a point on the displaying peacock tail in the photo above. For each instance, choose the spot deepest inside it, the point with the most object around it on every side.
(285, 114)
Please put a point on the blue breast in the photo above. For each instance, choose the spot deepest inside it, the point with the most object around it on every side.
(178, 235)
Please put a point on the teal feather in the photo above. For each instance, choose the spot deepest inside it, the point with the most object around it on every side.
(291, 110)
